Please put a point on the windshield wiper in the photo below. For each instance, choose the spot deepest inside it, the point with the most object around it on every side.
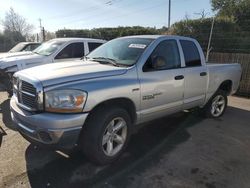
(84, 58)
(35, 52)
(106, 60)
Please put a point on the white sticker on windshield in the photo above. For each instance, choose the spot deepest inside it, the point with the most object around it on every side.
(141, 46)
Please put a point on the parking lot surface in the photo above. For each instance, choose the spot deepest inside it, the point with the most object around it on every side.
(182, 150)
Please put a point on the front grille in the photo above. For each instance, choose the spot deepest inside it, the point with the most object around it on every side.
(27, 87)
(26, 94)
(29, 101)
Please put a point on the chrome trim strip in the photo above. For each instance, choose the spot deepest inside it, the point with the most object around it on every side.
(21, 105)
(25, 107)
(26, 128)
(24, 92)
(39, 92)
(65, 129)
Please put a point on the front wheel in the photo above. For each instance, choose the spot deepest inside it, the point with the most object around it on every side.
(105, 135)
(217, 105)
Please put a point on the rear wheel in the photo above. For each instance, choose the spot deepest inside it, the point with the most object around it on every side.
(217, 105)
(105, 135)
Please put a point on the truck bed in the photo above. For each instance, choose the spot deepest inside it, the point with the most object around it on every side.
(217, 73)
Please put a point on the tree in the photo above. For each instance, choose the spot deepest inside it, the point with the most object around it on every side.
(227, 35)
(236, 10)
(225, 7)
(50, 35)
(203, 14)
(110, 33)
(242, 15)
(15, 30)
(15, 23)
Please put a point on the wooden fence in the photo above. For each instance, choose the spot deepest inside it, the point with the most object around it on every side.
(244, 60)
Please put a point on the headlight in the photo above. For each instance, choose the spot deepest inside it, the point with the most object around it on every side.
(65, 101)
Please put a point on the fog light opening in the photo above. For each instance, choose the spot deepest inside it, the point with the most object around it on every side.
(45, 136)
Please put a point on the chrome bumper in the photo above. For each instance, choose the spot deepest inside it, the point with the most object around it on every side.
(47, 128)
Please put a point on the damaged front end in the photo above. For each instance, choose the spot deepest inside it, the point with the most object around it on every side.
(6, 80)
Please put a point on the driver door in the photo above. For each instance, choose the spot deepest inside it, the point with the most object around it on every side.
(162, 82)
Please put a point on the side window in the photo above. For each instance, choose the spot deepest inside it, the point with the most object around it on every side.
(165, 56)
(191, 53)
(34, 46)
(26, 48)
(74, 50)
(93, 45)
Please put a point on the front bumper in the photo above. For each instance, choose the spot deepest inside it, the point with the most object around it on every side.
(60, 130)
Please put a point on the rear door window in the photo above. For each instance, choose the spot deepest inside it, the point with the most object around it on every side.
(93, 45)
(191, 53)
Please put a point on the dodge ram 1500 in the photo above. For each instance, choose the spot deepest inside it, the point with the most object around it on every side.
(97, 102)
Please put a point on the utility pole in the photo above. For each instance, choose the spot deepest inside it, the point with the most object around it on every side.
(209, 41)
(169, 13)
(42, 33)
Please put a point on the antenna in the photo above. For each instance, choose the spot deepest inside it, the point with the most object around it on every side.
(209, 41)
(169, 13)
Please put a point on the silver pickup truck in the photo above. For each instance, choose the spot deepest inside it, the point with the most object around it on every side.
(97, 102)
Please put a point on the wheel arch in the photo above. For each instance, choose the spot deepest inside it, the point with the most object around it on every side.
(226, 86)
(123, 102)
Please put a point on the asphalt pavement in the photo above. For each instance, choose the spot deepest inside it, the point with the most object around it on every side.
(181, 150)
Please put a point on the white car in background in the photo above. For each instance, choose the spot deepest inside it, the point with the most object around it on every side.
(22, 48)
(55, 50)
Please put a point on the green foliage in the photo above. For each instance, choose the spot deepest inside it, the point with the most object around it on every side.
(109, 33)
(227, 35)
(237, 10)
(225, 7)
(242, 15)
(231, 30)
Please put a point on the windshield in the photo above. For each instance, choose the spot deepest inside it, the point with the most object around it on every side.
(48, 48)
(124, 51)
(18, 48)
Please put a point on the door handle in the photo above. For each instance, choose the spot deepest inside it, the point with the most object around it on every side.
(203, 74)
(179, 77)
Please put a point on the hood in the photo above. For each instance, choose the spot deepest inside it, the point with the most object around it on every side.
(13, 54)
(58, 73)
(18, 59)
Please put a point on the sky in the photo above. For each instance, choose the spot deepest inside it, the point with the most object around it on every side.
(88, 14)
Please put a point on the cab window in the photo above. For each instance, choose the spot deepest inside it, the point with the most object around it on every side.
(165, 56)
(74, 50)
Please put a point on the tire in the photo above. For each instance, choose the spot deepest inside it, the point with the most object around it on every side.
(216, 106)
(98, 133)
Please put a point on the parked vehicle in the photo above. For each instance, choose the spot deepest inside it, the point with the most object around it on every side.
(20, 49)
(97, 102)
(55, 50)
(24, 46)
